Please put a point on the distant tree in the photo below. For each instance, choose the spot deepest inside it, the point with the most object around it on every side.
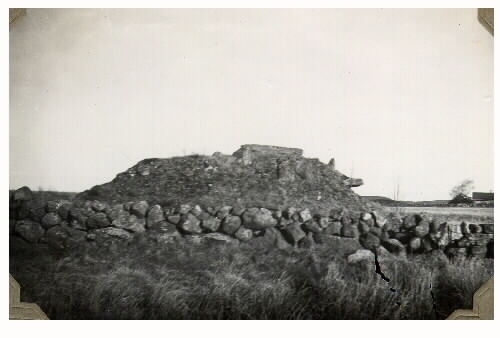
(463, 188)
(461, 199)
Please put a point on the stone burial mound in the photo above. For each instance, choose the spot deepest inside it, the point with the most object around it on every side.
(260, 194)
(254, 176)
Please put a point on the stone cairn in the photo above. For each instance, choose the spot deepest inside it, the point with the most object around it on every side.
(62, 224)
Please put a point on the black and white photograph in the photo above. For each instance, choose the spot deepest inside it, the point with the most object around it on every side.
(251, 164)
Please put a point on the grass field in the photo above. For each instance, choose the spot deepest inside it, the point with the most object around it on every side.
(453, 214)
(184, 281)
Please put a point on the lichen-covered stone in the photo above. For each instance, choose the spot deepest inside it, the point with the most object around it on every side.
(243, 234)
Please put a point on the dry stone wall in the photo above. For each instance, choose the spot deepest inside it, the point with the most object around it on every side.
(63, 224)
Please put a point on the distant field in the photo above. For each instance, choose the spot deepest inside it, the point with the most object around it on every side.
(462, 214)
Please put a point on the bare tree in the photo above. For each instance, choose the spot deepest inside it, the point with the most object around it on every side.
(464, 188)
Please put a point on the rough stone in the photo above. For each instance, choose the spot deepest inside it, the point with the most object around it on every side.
(113, 233)
(174, 219)
(231, 224)
(190, 224)
(334, 228)
(23, 194)
(224, 211)
(51, 219)
(29, 230)
(243, 234)
(258, 219)
(130, 223)
(394, 246)
(212, 224)
(421, 229)
(312, 226)
(487, 228)
(294, 233)
(98, 220)
(350, 231)
(155, 215)
(475, 228)
(139, 209)
(219, 238)
(414, 244)
(64, 209)
(305, 215)
(361, 255)
(98, 206)
(369, 241)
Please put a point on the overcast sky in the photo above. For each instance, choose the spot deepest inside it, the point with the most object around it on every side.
(393, 95)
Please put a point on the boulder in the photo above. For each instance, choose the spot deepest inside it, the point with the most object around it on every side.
(130, 222)
(336, 214)
(243, 234)
(312, 226)
(307, 242)
(475, 228)
(98, 220)
(363, 227)
(324, 222)
(294, 233)
(478, 239)
(29, 230)
(23, 194)
(409, 221)
(334, 228)
(487, 228)
(380, 220)
(64, 209)
(272, 238)
(164, 227)
(190, 224)
(216, 237)
(230, 224)
(174, 219)
(224, 211)
(393, 246)
(116, 211)
(51, 219)
(211, 224)
(139, 209)
(62, 237)
(111, 232)
(289, 212)
(360, 256)
(184, 209)
(196, 210)
(478, 251)
(305, 215)
(258, 219)
(52, 206)
(155, 215)
(350, 231)
(36, 211)
(98, 206)
(378, 232)
(369, 241)
(346, 220)
(238, 210)
(421, 229)
(414, 244)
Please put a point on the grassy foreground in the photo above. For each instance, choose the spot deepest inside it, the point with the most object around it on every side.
(185, 281)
